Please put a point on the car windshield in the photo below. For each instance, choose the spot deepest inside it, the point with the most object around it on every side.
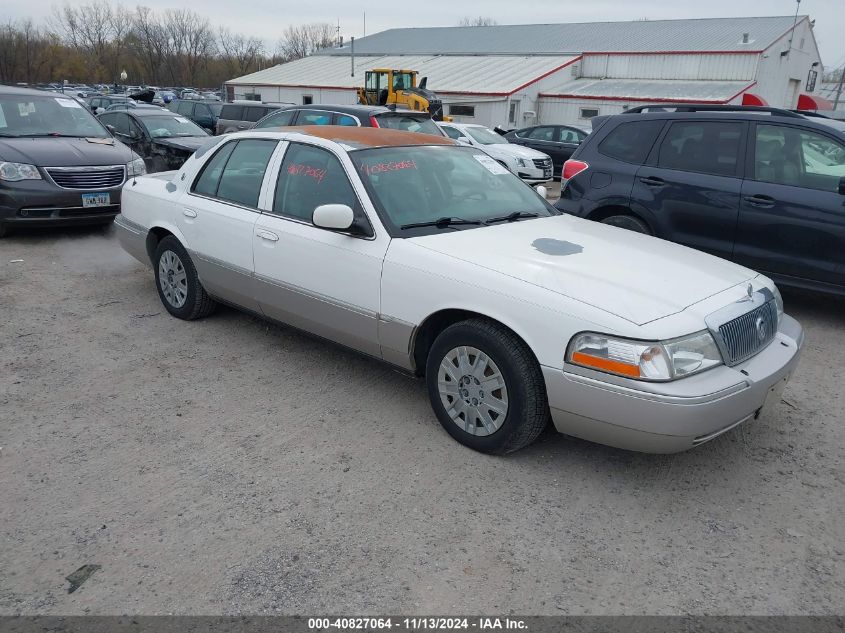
(420, 124)
(30, 115)
(418, 184)
(485, 136)
(171, 125)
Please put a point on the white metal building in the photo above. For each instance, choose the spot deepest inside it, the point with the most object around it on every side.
(520, 75)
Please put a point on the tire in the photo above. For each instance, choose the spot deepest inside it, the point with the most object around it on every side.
(519, 394)
(178, 285)
(629, 222)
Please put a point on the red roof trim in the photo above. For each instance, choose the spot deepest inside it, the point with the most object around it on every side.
(544, 75)
(643, 99)
(749, 52)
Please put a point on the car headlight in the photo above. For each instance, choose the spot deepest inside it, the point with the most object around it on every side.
(521, 162)
(14, 172)
(778, 301)
(645, 360)
(136, 167)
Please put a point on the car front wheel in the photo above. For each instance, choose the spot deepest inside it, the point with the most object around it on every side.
(485, 387)
(178, 284)
(628, 222)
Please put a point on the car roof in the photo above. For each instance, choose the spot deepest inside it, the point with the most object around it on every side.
(18, 90)
(363, 137)
(145, 112)
(355, 109)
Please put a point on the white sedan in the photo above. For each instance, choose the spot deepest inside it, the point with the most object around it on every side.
(532, 166)
(432, 257)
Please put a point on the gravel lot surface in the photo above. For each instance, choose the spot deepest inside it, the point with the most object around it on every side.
(233, 466)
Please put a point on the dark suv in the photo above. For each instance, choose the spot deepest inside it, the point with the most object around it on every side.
(763, 187)
(352, 115)
(203, 113)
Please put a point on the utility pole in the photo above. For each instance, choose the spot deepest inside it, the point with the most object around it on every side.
(839, 89)
(794, 24)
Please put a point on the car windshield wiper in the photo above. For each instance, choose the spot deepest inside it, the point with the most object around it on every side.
(512, 217)
(440, 223)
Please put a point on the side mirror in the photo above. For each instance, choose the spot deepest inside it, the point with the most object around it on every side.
(111, 129)
(464, 140)
(541, 191)
(842, 185)
(335, 217)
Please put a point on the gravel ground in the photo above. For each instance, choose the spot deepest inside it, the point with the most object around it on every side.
(232, 466)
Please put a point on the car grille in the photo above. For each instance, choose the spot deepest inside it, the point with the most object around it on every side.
(748, 334)
(542, 163)
(88, 178)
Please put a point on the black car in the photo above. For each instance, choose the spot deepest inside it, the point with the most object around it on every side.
(352, 115)
(203, 113)
(763, 187)
(163, 139)
(558, 141)
(58, 164)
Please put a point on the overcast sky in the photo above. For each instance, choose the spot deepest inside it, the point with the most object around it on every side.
(268, 18)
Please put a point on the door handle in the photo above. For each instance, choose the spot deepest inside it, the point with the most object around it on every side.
(267, 235)
(652, 181)
(189, 213)
(763, 202)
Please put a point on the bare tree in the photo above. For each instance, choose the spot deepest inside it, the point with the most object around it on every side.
(238, 52)
(478, 21)
(300, 41)
(149, 40)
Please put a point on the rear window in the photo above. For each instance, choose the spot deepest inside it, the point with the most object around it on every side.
(706, 147)
(421, 124)
(255, 114)
(631, 142)
(232, 112)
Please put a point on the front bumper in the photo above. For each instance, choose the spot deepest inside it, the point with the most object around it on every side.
(672, 416)
(42, 203)
(534, 176)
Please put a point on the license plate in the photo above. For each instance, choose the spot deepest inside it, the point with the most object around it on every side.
(95, 200)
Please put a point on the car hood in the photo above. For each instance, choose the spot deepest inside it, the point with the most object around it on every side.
(633, 276)
(64, 152)
(509, 149)
(189, 143)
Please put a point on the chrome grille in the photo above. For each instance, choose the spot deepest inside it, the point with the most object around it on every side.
(88, 178)
(746, 335)
(541, 163)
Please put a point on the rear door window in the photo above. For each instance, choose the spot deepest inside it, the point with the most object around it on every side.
(254, 114)
(314, 117)
(232, 113)
(705, 147)
(420, 124)
(345, 119)
(209, 178)
(277, 119)
(185, 108)
(244, 172)
(631, 142)
(542, 133)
